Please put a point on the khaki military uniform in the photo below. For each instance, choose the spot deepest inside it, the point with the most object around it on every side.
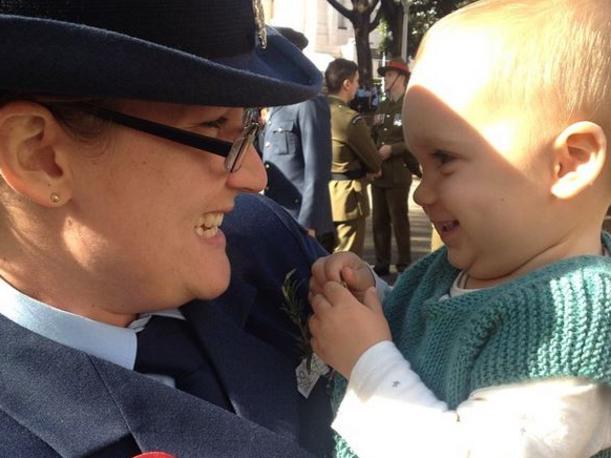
(390, 191)
(354, 156)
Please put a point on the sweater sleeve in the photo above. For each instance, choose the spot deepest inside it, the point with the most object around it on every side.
(388, 411)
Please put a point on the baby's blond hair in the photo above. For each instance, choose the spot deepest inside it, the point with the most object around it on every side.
(555, 54)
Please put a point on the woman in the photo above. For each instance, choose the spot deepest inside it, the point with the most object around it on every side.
(123, 144)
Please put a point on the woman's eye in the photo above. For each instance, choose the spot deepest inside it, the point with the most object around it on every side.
(216, 124)
(442, 157)
(209, 128)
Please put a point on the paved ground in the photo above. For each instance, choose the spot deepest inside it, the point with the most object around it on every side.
(420, 230)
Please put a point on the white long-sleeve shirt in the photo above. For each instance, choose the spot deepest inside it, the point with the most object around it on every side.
(388, 412)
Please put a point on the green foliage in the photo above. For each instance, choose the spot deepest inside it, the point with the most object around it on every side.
(387, 37)
(294, 308)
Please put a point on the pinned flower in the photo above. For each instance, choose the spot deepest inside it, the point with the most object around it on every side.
(311, 367)
(294, 308)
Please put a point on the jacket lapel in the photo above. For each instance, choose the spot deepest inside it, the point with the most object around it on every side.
(252, 371)
(80, 405)
(56, 393)
(165, 419)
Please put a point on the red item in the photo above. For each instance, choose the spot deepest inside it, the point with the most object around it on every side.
(398, 65)
(154, 455)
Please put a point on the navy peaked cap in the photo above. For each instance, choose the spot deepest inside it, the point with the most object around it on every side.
(204, 52)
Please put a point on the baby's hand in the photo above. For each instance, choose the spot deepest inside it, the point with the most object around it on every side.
(343, 328)
(344, 267)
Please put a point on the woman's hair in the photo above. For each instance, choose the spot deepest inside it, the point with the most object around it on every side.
(68, 111)
(337, 72)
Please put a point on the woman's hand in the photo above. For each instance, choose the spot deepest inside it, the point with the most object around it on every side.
(345, 268)
(343, 328)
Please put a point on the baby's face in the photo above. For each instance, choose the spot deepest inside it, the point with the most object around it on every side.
(487, 175)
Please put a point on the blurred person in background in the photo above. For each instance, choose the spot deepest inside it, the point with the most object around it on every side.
(296, 147)
(390, 190)
(354, 157)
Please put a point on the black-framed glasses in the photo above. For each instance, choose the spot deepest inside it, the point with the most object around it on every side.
(233, 152)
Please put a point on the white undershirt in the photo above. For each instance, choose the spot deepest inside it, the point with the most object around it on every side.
(389, 412)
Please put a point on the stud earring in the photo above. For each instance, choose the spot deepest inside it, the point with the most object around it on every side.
(54, 197)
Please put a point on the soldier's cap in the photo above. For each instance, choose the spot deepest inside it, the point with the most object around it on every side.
(397, 64)
(201, 52)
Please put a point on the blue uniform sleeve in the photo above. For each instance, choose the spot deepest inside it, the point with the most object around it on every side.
(315, 127)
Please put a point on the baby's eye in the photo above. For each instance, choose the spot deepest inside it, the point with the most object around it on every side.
(442, 157)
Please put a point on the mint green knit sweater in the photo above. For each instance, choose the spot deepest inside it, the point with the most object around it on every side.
(553, 322)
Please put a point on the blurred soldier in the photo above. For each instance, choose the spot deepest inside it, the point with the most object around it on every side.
(390, 190)
(354, 157)
(296, 150)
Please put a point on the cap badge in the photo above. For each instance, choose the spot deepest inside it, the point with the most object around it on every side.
(257, 7)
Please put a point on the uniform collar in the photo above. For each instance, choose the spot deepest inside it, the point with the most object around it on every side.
(395, 102)
(336, 99)
(110, 343)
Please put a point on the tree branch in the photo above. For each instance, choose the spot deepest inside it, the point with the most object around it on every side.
(372, 7)
(342, 9)
(376, 20)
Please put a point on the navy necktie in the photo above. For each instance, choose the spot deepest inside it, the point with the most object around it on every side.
(169, 346)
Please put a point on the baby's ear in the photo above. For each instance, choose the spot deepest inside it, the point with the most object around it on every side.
(580, 152)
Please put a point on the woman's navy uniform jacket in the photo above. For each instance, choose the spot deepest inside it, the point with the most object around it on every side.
(57, 401)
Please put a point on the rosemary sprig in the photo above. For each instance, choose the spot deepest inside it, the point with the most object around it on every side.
(293, 307)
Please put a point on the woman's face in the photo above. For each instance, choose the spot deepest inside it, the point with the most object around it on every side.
(144, 213)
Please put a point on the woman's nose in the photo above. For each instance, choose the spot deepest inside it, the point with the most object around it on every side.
(251, 176)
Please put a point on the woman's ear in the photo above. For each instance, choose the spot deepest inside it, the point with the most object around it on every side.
(580, 154)
(32, 161)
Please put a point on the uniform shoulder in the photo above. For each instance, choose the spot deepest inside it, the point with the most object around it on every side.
(357, 118)
(343, 110)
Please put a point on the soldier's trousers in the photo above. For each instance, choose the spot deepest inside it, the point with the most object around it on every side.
(351, 236)
(390, 210)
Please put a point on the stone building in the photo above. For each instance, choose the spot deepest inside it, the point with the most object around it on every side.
(330, 34)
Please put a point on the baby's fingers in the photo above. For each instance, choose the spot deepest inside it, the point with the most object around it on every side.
(337, 294)
(320, 275)
(319, 304)
(372, 301)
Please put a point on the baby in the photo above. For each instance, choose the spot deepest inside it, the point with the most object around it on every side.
(498, 344)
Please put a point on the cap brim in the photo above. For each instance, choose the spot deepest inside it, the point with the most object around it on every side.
(48, 56)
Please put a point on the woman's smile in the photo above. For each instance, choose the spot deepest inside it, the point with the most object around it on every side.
(208, 224)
